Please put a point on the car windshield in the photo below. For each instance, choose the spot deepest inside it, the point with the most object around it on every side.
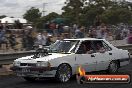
(63, 46)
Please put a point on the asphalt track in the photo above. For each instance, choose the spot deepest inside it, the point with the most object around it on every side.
(12, 81)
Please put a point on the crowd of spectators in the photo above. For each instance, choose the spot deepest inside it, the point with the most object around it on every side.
(14, 39)
(28, 38)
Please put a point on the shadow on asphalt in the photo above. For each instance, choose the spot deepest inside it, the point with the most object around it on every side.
(50, 81)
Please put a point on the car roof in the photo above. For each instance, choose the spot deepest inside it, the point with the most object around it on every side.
(85, 39)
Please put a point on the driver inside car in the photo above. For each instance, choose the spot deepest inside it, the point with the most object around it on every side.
(100, 48)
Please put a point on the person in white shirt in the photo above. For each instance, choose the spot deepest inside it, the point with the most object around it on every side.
(44, 38)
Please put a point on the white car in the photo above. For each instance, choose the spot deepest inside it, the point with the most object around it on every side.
(66, 55)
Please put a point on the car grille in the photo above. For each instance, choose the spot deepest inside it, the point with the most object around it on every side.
(27, 64)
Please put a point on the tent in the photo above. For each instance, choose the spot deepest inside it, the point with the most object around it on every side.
(8, 19)
(12, 20)
(21, 20)
(59, 20)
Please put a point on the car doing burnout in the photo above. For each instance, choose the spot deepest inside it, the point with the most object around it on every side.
(66, 55)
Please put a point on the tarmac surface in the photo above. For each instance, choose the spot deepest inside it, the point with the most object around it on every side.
(9, 80)
(12, 81)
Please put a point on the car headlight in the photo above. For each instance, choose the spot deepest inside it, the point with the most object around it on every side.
(16, 63)
(43, 64)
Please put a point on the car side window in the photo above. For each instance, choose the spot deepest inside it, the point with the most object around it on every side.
(85, 48)
(75, 46)
(99, 46)
(107, 48)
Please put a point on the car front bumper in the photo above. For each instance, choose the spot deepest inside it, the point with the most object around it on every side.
(34, 71)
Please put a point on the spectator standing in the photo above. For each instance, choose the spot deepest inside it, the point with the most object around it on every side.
(48, 40)
(102, 31)
(124, 33)
(56, 30)
(3, 38)
(92, 33)
(44, 38)
(6, 26)
(60, 29)
(52, 28)
(74, 28)
(66, 31)
(1, 25)
(30, 41)
(12, 40)
(24, 40)
(38, 39)
(18, 41)
(79, 33)
(129, 38)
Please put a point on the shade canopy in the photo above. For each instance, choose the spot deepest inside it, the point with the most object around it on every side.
(12, 20)
(8, 19)
(59, 20)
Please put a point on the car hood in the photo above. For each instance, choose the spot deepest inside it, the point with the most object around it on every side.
(45, 58)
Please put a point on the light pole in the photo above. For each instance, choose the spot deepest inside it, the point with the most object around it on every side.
(43, 12)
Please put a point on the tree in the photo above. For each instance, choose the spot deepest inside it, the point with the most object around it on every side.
(41, 21)
(94, 9)
(2, 16)
(51, 16)
(73, 10)
(121, 13)
(32, 15)
(85, 12)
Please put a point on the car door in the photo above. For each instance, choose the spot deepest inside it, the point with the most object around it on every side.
(86, 60)
(102, 58)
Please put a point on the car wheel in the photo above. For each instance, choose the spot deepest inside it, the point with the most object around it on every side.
(113, 67)
(63, 73)
(30, 79)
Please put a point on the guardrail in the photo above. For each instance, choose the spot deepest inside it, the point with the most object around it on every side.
(126, 47)
(7, 58)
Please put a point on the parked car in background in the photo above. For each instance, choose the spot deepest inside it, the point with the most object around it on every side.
(66, 55)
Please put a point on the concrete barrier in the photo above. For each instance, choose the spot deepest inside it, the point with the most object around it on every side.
(126, 47)
(7, 58)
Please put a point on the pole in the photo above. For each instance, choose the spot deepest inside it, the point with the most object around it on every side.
(43, 12)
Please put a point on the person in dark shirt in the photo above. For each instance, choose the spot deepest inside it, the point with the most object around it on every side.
(1, 25)
(82, 49)
(12, 40)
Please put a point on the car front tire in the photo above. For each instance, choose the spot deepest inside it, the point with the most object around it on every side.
(113, 67)
(64, 73)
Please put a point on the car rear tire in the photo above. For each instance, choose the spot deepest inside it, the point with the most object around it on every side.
(30, 79)
(64, 73)
(113, 67)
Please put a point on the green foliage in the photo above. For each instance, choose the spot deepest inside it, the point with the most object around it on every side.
(32, 15)
(73, 10)
(84, 12)
(41, 21)
(2, 16)
(51, 16)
